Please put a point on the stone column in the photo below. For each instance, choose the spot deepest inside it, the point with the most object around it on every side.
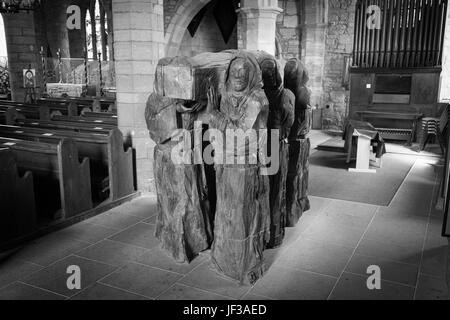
(57, 33)
(315, 30)
(138, 45)
(257, 24)
(23, 50)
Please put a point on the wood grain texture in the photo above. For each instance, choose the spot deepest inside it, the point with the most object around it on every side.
(281, 119)
(296, 79)
(297, 181)
(278, 204)
(184, 221)
(183, 226)
(17, 198)
(242, 220)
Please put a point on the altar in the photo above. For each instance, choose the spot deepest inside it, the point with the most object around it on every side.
(61, 90)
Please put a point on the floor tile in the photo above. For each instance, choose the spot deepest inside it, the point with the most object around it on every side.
(142, 280)
(254, 297)
(54, 278)
(271, 256)
(434, 261)
(21, 291)
(205, 278)
(143, 207)
(141, 235)
(354, 287)
(99, 291)
(406, 231)
(49, 249)
(288, 284)
(304, 223)
(317, 204)
(159, 259)
(308, 255)
(112, 253)
(430, 288)
(389, 251)
(325, 230)
(349, 214)
(151, 220)
(183, 292)
(12, 270)
(88, 232)
(115, 219)
(392, 271)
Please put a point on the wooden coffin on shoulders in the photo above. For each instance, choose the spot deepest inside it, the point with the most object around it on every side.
(189, 78)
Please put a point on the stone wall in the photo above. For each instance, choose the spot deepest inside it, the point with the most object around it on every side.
(339, 46)
(289, 28)
(169, 11)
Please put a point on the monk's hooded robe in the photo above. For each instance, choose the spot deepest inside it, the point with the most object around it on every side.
(281, 118)
(242, 219)
(183, 224)
(295, 79)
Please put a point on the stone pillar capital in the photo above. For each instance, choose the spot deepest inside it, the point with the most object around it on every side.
(259, 27)
(261, 12)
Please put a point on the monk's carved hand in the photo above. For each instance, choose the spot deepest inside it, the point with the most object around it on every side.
(213, 100)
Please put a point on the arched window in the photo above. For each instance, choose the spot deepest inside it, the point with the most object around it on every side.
(97, 31)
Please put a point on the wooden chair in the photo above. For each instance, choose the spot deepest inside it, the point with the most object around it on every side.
(435, 127)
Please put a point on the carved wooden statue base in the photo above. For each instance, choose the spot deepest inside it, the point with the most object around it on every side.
(297, 181)
(241, 222)
(183, 225)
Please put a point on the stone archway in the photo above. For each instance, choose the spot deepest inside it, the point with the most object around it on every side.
(185, 12)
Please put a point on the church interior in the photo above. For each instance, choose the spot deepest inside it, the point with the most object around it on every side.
(114, 184)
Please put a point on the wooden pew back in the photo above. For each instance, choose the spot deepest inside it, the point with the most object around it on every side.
(56, 162)
(18, 216)
(106, 152)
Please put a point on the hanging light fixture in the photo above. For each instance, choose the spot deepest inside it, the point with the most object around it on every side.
(15, 6)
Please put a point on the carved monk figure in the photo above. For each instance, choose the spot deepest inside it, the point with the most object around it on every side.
(242, 220)
(183, 224)
(296, 79)
(281, 118)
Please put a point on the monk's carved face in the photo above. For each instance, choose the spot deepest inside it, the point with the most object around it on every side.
(239, 75)
(269, 70)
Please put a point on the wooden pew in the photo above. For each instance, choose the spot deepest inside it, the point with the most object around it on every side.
(108, 159)
(56, 170)
(93, 121)
(28, 111)
(94, 104)
(9, 116)
(67, 126)
(46, 111)
(101, 115)
(18, 217)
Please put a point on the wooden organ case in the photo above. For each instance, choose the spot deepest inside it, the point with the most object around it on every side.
(397, 62)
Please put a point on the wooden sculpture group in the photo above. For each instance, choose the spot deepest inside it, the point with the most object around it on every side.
(229, 206)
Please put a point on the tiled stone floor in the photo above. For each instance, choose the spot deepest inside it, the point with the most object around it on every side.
(325, 257)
